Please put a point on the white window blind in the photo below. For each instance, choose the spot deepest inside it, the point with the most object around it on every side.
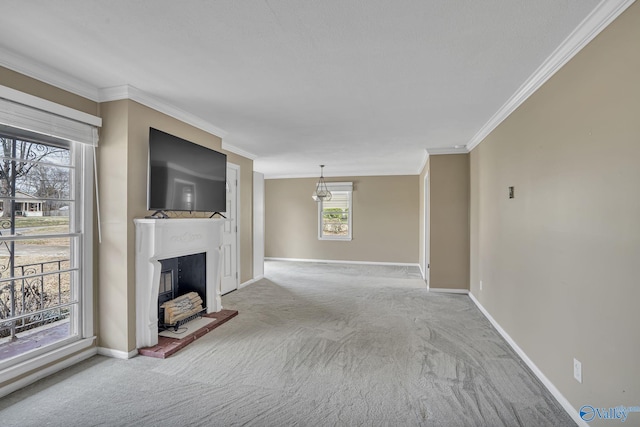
(340, 186)
(19, 116)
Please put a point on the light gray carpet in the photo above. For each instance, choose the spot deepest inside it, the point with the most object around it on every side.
(313, 345)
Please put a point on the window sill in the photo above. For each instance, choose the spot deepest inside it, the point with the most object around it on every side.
(56, 358)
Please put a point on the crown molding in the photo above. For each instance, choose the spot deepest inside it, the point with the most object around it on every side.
(46, 74)
(239, 151)
(423, 163)
(589, 28)
(56, 78)
(115, 93)
(293, 176)
(446, 150)
(354, 174)
(130, 92)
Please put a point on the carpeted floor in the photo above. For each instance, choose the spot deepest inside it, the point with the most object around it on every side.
(313, 345)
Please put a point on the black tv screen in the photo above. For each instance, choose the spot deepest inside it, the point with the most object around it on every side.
(183, 176)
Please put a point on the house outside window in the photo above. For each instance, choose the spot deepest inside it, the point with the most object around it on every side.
(335, 217)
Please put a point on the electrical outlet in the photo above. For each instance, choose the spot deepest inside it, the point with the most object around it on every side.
(577, 370)
(480, 284)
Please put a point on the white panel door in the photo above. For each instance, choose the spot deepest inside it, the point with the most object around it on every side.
(230, 279)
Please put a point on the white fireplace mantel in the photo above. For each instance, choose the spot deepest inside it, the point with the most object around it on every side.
(158, 239)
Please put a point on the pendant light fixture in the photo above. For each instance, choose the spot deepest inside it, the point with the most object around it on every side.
(322, 193)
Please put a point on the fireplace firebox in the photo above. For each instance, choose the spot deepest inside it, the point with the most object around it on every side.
(180, 276)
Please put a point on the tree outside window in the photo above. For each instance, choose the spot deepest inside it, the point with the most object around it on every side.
(335, 217)
(36, 242)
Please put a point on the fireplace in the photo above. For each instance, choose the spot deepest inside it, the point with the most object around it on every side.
(192, 245)
(180, 276)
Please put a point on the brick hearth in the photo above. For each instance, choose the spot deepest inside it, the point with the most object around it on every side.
(168, 346)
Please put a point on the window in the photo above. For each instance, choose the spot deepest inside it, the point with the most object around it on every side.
(335, 215)
(38, 241)
(46, 189)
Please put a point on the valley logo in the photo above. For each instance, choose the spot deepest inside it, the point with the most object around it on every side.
(589, 413)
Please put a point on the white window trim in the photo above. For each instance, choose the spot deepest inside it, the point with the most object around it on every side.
(344, 187)
(86, 143)
(86, 189)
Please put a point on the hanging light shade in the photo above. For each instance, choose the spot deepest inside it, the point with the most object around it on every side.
(322, 193)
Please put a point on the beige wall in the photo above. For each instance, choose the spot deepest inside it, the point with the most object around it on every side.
(37, 88)
(385, 218)
(116, 299)
(423, 225)
(559, 262)
(449, 221)
(123, 175)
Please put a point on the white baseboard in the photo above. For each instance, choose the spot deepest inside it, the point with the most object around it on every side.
(117, 354)
(424, 277)
(250, 282)
(45, 372)
(33, 361)
(334, 261)
(449, 291)
(538, 373)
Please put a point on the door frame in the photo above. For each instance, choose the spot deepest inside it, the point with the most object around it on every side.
(426, 229)
(237, 168)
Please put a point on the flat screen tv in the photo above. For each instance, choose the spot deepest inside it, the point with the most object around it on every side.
(183, 176)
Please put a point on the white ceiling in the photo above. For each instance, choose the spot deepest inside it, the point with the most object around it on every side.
(363, 86)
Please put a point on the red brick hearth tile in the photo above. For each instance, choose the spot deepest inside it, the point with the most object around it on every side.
(168, 346)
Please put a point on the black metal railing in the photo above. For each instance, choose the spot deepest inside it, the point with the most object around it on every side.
(38, 294)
